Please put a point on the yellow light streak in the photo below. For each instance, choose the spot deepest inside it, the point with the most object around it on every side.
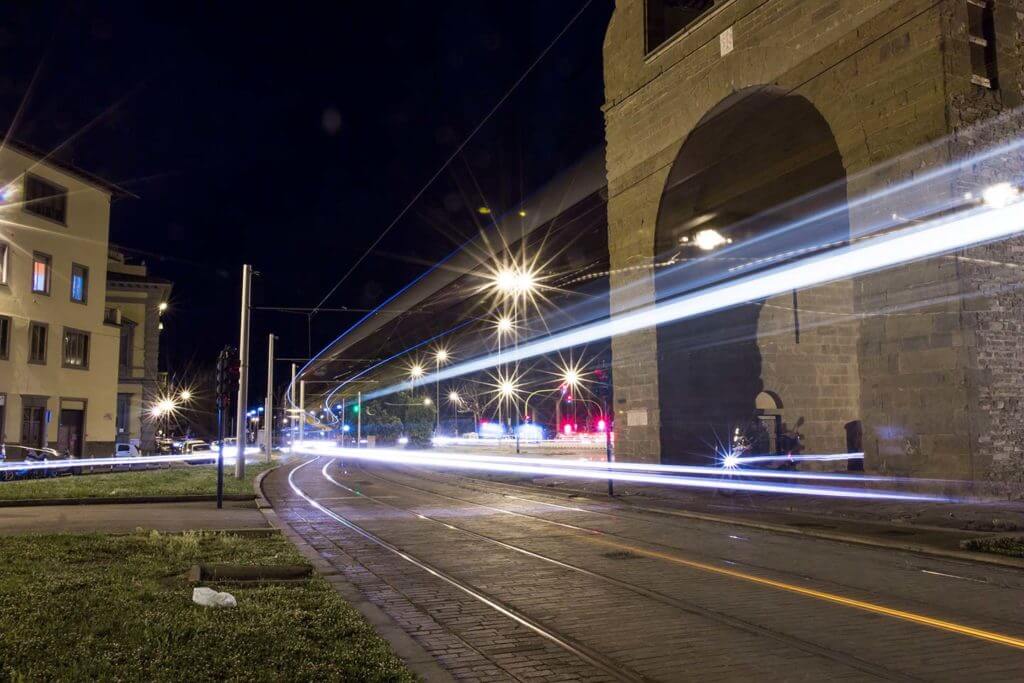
(921, 619)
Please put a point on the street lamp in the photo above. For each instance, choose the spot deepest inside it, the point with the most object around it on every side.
(185, 395)
(415, 371)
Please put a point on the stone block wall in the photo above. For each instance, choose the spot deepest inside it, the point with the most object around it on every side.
(934, 345)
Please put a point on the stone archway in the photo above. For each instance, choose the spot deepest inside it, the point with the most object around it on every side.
(750, 175)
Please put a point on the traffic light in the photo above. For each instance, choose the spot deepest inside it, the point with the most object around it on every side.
(227, 373)
(355, 407)
(234, 372)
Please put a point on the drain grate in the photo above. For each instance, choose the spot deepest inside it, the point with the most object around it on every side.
(621, 555)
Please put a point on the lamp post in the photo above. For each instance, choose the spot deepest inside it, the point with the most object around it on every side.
(454, 399)
(440, 356)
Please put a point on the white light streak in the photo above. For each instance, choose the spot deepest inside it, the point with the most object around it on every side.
(596, 472)
(973, 227)
(105, 462)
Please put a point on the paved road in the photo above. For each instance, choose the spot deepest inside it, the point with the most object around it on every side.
(502, 584)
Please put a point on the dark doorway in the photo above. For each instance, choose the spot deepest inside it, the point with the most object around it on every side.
(758, 180)
(69, 432)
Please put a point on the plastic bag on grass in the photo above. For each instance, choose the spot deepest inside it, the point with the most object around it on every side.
(207, 597)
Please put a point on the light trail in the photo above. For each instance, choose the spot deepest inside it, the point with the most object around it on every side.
(601, 538)
(981, 634)
(972, 227)
(707, 470)
(401, 457)
(745, 459)
(7, 465)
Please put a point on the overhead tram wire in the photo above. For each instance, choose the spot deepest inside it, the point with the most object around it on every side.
(451, 157)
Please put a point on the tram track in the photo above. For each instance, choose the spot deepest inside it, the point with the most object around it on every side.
(690, 608)
(584, 653)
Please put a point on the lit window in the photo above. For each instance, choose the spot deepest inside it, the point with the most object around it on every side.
(37, 334)
(76, 348)
(41, 273)
(79, 283)
(4, 249)
(45, 199)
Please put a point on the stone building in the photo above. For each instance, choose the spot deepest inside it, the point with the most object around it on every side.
(135, 300)
(738, 116)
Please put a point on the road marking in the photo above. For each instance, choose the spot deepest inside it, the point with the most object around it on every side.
(921, 619)
(953, 576)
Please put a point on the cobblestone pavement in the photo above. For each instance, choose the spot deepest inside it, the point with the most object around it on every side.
(596, 591)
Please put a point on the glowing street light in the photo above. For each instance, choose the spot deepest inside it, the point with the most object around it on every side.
(185, 395)
(162, 306)
(454, 398)
(504, 325)
(416, 371)
(427, 401)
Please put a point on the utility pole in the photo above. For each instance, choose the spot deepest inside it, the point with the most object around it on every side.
(359, 420)
(268, 410)
(243, 377)
(302, 410)
(608, 445)
(344, 423)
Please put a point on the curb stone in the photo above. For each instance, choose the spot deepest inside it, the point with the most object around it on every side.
(121, 500)
(415, 657)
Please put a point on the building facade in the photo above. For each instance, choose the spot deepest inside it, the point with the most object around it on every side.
(135, 300)
(723, 114)
(58, 350)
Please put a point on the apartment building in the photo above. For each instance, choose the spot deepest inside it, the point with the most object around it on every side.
(135, 300)
(58, 349)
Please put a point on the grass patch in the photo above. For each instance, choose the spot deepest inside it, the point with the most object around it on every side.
(1000, 545)
(106, 607)
(180, 480)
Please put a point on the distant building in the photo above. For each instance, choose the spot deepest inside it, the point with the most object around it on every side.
(58, 349)
(134, 300)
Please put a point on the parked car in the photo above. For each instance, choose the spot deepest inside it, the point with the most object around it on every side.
(126, 450)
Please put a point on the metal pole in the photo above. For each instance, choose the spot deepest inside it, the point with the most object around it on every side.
(268, 414)
(608, 445)
(437, 396)
(359, 420)
(220, 452)
(242, 424)
(302, 409)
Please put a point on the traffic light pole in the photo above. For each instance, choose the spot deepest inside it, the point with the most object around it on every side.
(608, 446)
(220, 452)
(359, 420)
(302, 409)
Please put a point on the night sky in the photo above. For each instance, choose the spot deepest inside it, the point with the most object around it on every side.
(290, 136)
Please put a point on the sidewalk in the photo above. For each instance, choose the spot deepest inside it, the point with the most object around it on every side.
(126, 517)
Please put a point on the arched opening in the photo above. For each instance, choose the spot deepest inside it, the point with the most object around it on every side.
(757, 182)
